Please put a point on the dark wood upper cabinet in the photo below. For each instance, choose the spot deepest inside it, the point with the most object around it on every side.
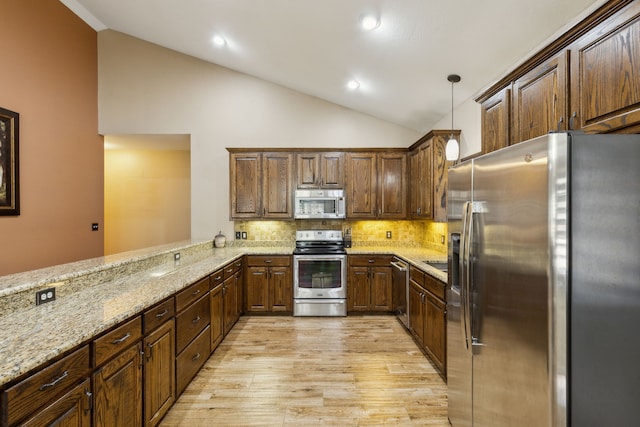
(277, 200)
(428, 175)
(261, 185)
(246, 195)
(392, 185)
(588, 79)
(320, 170)
(496, 121)
(362, 186)
(376, 185)
(605, 75)
(540, 99)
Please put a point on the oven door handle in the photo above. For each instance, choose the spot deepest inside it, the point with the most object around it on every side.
(319, 301)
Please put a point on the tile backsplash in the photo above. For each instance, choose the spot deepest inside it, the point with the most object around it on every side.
(413, 233)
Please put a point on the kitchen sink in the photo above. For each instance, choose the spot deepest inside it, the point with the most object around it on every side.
(442, 266)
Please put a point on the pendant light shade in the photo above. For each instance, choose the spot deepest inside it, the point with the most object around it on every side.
(452, 150)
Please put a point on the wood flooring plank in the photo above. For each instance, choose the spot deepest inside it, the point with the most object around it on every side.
(301, 371)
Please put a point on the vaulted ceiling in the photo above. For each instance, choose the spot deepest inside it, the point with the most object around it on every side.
(317, 46)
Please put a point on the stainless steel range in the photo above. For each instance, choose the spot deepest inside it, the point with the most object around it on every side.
(319, 274)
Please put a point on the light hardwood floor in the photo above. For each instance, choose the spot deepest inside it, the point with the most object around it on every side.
(299, 371)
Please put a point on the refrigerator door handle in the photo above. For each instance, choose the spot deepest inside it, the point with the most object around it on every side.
(473, 208)
(465, 241)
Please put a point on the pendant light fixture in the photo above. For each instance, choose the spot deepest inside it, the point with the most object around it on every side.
(452, 150)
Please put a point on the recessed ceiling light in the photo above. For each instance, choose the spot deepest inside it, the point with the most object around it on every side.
(218, 40)
(369, 22)
(353, 84)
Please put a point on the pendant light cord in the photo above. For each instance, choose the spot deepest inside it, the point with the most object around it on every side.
(451, 108)
(453, 78)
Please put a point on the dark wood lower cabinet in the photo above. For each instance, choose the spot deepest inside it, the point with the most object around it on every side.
(417, 311)
(434, 334)
(268, 284)
(230, 303)
(217, 315)
(427, 311)
(159, 373)
(369, 287)
(73, 409)
(118, 390)
(192, 358)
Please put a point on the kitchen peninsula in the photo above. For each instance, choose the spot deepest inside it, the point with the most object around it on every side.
(98, 296)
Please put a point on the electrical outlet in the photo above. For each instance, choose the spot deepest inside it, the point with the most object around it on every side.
(238, 235)
(244, 235)
(45, 295)
(388, 234)
(95, 226)
(176, 258)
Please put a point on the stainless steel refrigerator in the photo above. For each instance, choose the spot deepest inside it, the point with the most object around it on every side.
(543, 311)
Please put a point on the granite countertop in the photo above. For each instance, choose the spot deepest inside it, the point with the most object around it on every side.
(95, 295)
(413, 255)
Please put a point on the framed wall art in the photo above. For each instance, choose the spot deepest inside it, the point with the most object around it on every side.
(9, 189)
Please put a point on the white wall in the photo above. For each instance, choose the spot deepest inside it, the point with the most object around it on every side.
(466, 117)
(144, 88)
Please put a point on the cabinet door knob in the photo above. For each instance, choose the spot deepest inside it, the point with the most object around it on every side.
(89, 396)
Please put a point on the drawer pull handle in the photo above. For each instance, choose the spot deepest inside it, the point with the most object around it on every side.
(196, 292)
(196, 320)
(218, 278)
(164, 313)
(196, 357)
(371, 261)
(121, 340)
(268, 261)
(64, 375)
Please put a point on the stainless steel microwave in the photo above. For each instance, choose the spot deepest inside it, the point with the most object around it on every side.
(312, 204)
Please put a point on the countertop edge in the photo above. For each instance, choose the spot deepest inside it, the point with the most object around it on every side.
(98, 307)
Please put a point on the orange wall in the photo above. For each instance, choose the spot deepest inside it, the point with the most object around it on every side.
(48, 74)
(147, 198)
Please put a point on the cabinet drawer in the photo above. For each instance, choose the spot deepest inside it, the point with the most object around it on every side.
(158, 314)
(435, 286)
(416, 275)
(191, 293)
(40, 388)
(370, 260)
(216, 278)
(268, 261)
(228, 270)
(191, 321)
(192, 358)
(112, 343)
(233, 267)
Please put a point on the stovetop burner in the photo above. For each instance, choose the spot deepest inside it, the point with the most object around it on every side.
(319, 242)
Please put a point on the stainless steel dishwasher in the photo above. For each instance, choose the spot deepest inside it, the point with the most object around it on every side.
(400, 286)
